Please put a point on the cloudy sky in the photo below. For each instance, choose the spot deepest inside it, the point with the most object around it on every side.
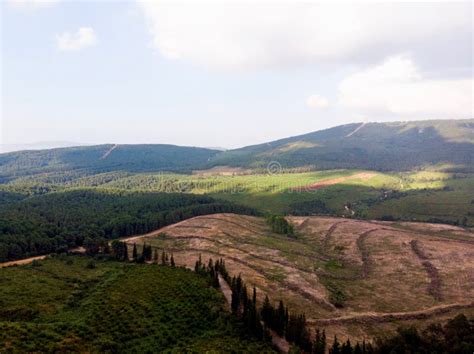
(227, 74)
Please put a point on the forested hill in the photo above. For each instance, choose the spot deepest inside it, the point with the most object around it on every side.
(104, 158)
(375, 146)
(84, 217)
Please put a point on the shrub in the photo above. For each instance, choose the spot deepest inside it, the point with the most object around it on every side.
(91, 265)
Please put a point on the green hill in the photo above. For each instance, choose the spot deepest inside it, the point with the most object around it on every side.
(81, 305)
(104, 158)
(374, 146)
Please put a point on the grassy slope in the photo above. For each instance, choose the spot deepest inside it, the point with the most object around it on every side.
(62, 305)
(411, 195)
(419, 195)
(379, 146)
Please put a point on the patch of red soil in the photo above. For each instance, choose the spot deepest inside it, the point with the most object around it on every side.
(330, 182)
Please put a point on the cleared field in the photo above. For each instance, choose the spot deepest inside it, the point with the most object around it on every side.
(430, 195)
(351, 277)
(423, 195)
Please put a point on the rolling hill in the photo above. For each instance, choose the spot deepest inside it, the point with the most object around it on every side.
(356, 279)
(395, 146)
(104, 158)
(374, 146)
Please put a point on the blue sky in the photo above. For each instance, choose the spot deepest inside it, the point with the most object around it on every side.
(225, 75)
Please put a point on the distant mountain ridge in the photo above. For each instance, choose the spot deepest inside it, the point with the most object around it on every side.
(377, 146)
(374, 146)
(104, 158)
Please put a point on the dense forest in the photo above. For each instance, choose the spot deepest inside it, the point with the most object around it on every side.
(103, 158)
(58, 221)
(80, 304)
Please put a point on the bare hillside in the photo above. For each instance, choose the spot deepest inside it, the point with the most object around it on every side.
(351, 277)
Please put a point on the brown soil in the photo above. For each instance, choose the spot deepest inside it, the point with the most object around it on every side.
(385, 279)
(333, 181)
(36, 258)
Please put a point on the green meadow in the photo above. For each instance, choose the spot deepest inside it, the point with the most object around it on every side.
(427, 195)
(421, 195)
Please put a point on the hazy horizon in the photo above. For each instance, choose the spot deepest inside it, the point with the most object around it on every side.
(226, 74)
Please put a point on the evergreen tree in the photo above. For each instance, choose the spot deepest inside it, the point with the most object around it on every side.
(336, 348)
(319, 346)
(280, 319)
(172, 260)
(346, 347)
(324, 340)
(125, 251)
(267, 311)
(135, 253)
(155, 256)
(254, 297)
(357, 349)
(163, 258)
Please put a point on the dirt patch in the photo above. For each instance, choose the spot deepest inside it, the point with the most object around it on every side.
(330, 182)
(389, 317)
(223, 171)
(36, 258)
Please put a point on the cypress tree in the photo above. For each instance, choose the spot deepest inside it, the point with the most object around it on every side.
(125, 251)
(357, 349)
(254, 297)
(346, 347)
(134, 253)
(267, 312)
(335, 349)
(323, 340)
(172, 260)
(319, 347)
(281, 319)
(163, 258)
(155, 256)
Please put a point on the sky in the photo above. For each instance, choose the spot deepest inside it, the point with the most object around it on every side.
(226, 74)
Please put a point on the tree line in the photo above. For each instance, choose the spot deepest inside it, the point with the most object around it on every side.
(456, 336)
(59, 221)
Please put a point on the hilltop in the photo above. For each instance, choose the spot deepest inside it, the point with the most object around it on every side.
(104, 158)
(374, 146)
(395, 146)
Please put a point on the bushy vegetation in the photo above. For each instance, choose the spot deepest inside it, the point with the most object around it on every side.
(115, 307)
(280, 225)
(456, 336)
(58, 221)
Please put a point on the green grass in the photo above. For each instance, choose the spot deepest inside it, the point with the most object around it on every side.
(62, 305)
(420, 195)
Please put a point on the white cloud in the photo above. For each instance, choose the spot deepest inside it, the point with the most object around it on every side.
(317, 101)
(84, 37)
(32, 3)
(229, 35)
(396, 87)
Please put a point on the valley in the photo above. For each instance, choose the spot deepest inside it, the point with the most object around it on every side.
(363, 229)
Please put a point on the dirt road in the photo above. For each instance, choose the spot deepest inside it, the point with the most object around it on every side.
(36, 258)
(394, 316)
